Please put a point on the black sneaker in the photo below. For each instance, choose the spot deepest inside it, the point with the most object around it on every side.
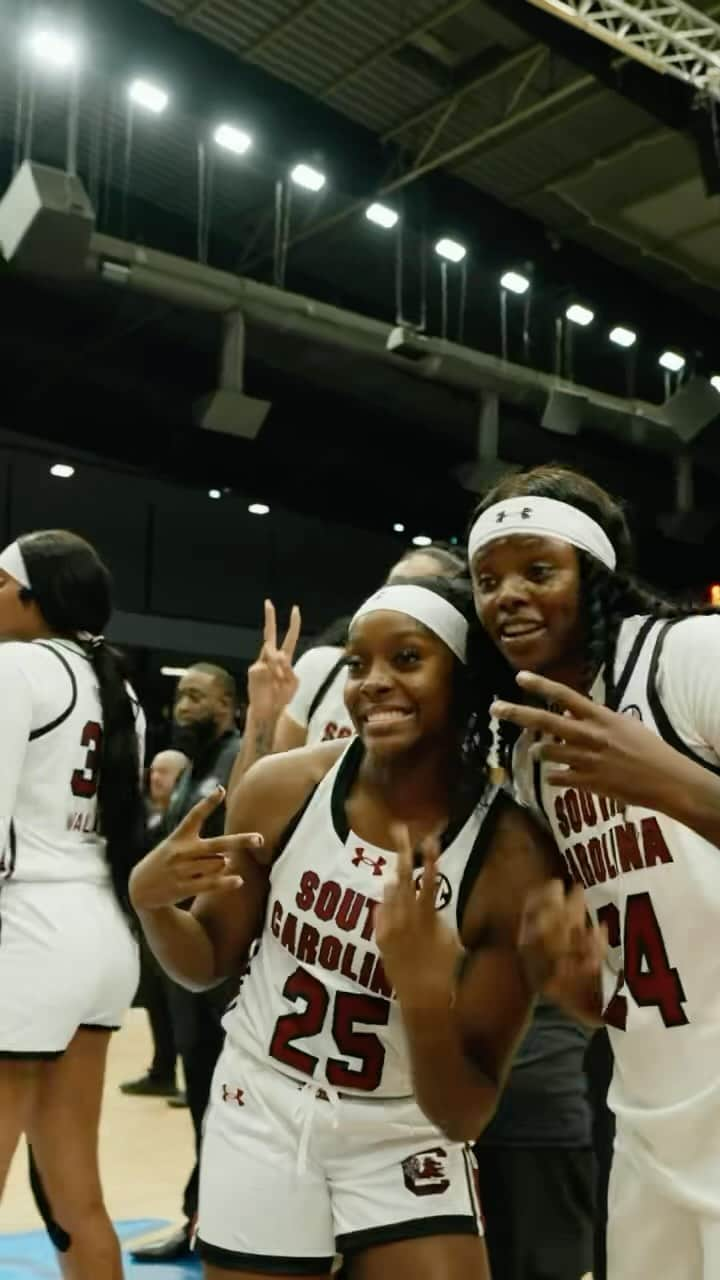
(179, 1099)
(150, 1086)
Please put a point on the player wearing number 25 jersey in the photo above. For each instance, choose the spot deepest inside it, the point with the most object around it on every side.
(628, 780)
(343, 1096)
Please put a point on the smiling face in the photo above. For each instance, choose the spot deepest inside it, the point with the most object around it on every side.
(400, 683)
(527, 597)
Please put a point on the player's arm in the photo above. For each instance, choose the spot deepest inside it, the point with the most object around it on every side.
(462, 1031)
(227, 876)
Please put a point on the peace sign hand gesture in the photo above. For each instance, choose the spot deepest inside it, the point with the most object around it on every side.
(185, 865)
(272, 683)
(602, 751)
(420, 954)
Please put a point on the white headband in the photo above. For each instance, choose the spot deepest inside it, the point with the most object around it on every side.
(12, 562)
(544, 518)
(425, 606)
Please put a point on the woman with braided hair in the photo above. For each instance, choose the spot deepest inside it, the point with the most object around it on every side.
(620, 756)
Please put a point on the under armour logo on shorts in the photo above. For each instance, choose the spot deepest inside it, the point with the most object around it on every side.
(233, 1095)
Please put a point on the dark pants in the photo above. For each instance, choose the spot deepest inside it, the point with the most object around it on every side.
(152, 995)
(198, 1038)
(599, 1066)
(538, 1207)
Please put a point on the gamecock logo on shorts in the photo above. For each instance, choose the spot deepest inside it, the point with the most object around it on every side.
(233, 1095)
(426, 1173)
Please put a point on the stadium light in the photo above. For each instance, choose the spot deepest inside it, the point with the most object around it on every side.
(672, 361)
(450, 250)
(514, 282)
(382, 216)
(259, 509)
(623, 337)
(149, 96)
(232, 139)
(303, 175)
(577, 314)
(398, 528)
(62, 471)
(422, 540)
(54, 49)
(715, 382)
(215, 494)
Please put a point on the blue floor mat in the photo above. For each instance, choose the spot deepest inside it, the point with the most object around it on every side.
(30, 1256)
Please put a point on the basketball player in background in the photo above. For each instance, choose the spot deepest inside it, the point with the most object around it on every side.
(621, 756)
(72, 747)
(303, 704)
(313, 1139)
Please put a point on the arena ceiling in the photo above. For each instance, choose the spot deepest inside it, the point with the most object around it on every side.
(486, 120)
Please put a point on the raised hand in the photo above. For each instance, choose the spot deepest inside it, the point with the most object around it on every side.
(272, 682)
(185, 864)
(420, 954)
(597, 749)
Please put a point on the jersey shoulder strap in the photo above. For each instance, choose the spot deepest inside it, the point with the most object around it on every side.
(329, 679)
(54, 724)
(665, 727)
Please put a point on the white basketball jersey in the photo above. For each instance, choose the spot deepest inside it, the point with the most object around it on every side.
(315, 1002)
(49, 770)
(655, 885)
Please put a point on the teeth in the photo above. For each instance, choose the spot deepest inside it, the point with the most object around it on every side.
(521, 631)
(379, 717)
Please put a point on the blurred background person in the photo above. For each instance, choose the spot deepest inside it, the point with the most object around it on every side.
(159, 1079)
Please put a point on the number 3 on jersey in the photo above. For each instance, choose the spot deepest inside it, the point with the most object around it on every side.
(348, 1010)
(647, 973)
(84, 781)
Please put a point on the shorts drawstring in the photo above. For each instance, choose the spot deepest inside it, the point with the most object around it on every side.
(311, 1094)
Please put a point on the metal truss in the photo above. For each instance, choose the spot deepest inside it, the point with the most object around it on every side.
(670, 36)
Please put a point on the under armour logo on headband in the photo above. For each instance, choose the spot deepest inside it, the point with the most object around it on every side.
(525, 514)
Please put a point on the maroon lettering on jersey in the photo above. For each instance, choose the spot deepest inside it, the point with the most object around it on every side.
(369, 926)
(628, 847)
(595, 850)
(349, 910)
(276, 916)
(346, 968)
(309, 885)
(379, 982)
(563, 824)
(327, 900)
(308, 943)
(584, 863)
(366, 969)
(587, 805)
(573, 811)
(330, 952)
(287, 939)
(360, 859)
(654, 846)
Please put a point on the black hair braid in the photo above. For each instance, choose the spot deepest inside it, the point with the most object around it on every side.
(608, 598)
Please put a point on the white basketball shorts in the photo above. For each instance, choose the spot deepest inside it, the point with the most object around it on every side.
(290, 1175)
(653, 1235)
(67, 960)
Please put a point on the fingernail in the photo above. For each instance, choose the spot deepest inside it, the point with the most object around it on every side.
(219, 790)
(256, 841)
(499, 708)
(523, 675)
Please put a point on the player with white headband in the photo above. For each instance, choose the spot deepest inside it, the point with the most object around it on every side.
(71, 819)
(344, 1095)
(620, 756)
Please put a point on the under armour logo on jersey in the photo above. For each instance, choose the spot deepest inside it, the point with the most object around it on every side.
(525, 514)
(233, 1095)
(360, 859)
(443, 889)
